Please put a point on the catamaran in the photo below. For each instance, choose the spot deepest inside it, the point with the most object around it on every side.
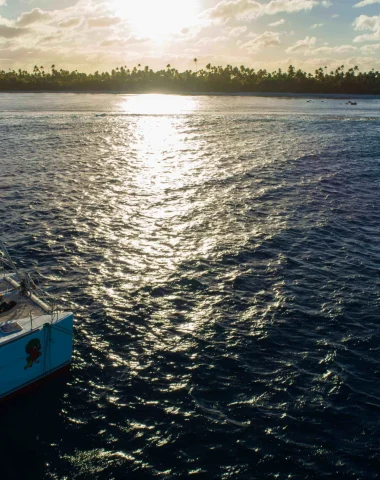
(36, 338)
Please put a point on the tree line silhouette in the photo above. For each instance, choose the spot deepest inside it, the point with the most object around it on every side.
(227, 79)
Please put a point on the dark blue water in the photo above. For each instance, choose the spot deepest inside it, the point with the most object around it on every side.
(222, 259)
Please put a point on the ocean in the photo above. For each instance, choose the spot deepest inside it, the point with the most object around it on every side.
(221, 255)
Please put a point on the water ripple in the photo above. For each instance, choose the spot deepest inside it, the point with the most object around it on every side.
(223, 263)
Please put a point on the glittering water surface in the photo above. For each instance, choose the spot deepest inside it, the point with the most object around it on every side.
(222, 258)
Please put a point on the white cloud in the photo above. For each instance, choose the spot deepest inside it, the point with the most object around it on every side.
(364, 22)
(278, 6)
(102, 22)
(265, 40)
(329, 50)
(370, 49)
(319, 51)
(70, 22)
(212, 40)
(344, 49)
(302, 46)
(335, 15)
(317, 25)
(228, 9)
(365, 63)
(121, 43)
(278, 23)
(49, 39)
(237, 31)
(5, 21)
(364, 3)
(309, 64)
(35, 16)
(2, 2)
(367, 37)
(307, 47)
(12, 32)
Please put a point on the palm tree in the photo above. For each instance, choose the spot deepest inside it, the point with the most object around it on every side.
(196, 64)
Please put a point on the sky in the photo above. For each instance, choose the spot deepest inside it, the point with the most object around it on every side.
(90, 35)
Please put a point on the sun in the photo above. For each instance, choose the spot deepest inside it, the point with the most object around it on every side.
(154, 18)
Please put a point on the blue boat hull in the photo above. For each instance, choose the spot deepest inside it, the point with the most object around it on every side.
(30, 358)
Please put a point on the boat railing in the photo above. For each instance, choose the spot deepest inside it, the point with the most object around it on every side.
(16, 280)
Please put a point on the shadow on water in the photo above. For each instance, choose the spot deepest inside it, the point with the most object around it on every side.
(29, 428)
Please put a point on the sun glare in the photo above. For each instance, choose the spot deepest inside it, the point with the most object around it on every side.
(157, 104)
(153, 18)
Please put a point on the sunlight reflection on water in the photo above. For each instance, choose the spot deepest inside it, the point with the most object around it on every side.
(158, 148)
(158, 104)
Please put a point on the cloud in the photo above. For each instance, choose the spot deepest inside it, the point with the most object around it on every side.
(237, 31)
(289, 6)
(365, 63)
(265, 40)
(70, 22)
(370, 49)
(2, 2)
(102, 22)
(48, 39)
(364, 22)
(302, 46)
(12, 32)
(344, 49)
(309, 64)
(329, 50)
(318, 25)
(278, 23)
(206, 41)
(228, 9)
(189, 34)
(335, 15)
(43, 56)
(115, 42)
(364, 3)
(306, 47)
(5, 21)
(35, 16)
(123, 42)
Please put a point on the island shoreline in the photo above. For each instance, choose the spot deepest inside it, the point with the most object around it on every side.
(332, 96)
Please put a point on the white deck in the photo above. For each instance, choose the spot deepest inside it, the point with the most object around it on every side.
(26, 313)
(24, 306)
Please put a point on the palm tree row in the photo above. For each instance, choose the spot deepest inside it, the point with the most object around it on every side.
(209, 79)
